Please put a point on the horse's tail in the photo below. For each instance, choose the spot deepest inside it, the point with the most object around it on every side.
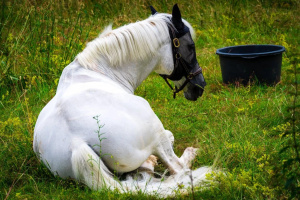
(88, 168)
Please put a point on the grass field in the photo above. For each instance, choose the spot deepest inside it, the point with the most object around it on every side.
(238, 129)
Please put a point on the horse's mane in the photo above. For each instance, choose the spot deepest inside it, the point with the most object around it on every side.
(131, 42)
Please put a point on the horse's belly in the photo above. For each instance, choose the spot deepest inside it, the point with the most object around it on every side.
(125, 149)
(123, 141)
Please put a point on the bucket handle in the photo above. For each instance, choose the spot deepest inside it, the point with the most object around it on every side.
(250, 57)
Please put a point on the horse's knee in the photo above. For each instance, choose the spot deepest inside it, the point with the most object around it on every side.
(170, 136)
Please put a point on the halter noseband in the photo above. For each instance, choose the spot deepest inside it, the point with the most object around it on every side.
(179, 63)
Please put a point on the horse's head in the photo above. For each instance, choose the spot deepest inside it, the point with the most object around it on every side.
(186, 74)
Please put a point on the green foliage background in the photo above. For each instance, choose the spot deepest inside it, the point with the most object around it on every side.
(238, 129)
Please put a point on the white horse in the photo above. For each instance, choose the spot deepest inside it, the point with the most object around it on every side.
(95, 126)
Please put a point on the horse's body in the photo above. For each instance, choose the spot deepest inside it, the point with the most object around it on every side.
(69, 115)
(100, 84)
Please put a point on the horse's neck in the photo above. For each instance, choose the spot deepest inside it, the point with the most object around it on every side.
(132, 74)
(129, 75)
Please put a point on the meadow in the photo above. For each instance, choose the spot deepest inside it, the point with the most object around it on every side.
(243, 130)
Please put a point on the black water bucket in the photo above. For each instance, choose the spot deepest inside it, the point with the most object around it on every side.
(248, 63)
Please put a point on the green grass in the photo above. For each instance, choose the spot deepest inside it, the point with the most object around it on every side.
(236, 128)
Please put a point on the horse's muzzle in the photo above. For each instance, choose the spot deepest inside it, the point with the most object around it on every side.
(193, 92)
(195, 87)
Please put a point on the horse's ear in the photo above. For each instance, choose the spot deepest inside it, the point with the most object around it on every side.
(153, 11)
(176, 17)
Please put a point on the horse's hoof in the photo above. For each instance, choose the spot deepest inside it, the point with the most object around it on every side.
(150, 163)
(188, 155)
(152, 159)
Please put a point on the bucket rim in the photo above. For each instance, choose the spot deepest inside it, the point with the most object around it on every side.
(279, 51)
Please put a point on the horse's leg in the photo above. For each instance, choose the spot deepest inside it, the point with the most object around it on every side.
(165, 152)
(189, 153)
(150, 163)
(188, 156)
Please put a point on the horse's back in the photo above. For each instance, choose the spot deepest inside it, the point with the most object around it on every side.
(127, 121)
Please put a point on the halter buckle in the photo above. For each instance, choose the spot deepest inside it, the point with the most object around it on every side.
(177, 56)
(190, 76)
(176, 42)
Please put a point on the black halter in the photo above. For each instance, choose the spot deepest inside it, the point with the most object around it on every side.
(181, 67)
